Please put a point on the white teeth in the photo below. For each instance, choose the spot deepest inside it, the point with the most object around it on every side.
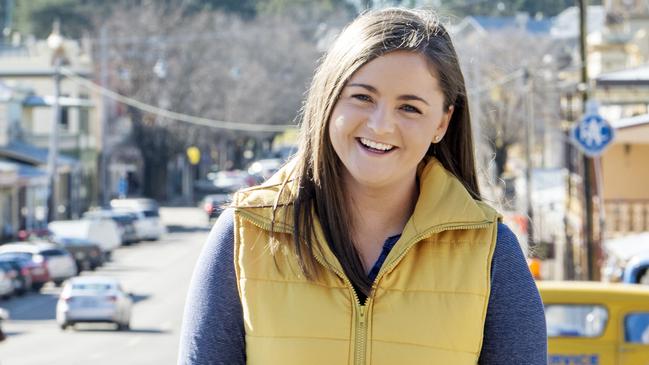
(376, 145)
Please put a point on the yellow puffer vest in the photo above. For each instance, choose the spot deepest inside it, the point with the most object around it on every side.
(428, 303)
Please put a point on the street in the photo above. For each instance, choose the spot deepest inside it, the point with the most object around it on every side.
(157, 273)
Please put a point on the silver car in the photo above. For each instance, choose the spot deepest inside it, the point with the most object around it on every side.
(94, 299)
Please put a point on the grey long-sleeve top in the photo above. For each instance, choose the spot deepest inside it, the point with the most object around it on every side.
(213, 330)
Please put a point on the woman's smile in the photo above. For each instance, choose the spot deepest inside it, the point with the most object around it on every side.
(374, 147)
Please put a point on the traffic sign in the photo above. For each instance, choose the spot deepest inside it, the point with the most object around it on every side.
(592, 134)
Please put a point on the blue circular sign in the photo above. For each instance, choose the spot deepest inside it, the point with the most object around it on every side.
(592, 134)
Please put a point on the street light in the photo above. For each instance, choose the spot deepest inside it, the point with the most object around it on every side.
(55, 43)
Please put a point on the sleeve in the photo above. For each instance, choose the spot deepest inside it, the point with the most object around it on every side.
(212, 330)
(515, 331)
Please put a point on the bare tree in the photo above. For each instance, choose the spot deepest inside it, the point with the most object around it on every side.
(208, 64)
(506, 76)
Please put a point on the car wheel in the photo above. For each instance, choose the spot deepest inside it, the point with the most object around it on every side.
(644, 278)
(64, 326)
(37, 286)
(123, 326)
(58, 283)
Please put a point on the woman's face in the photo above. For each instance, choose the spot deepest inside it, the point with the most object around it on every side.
(385, 119)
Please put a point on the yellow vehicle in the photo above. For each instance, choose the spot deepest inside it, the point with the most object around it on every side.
(592, 323)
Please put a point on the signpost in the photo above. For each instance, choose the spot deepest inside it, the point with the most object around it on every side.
(592, 134)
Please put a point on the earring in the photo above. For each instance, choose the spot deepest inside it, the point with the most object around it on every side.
(436, 139)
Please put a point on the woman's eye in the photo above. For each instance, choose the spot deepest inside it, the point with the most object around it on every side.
(362, 97)
(410, 109)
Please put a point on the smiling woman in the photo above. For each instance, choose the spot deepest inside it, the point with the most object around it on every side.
(373, 245)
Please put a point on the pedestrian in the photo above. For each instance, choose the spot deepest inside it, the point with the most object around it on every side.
(372, 245)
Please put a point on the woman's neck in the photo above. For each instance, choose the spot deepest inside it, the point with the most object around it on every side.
(383, 211)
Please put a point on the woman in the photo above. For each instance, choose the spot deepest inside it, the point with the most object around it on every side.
(372, 246)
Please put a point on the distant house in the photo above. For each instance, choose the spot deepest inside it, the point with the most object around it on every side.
(482, 25)
(27, 70)
(625, 96)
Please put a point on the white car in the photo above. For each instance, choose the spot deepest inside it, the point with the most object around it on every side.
(60, 264)
(94, 299)
(148, 224)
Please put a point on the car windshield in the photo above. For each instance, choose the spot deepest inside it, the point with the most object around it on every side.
(52, 252)
(92, 286)
(150, 213)
(570, 320)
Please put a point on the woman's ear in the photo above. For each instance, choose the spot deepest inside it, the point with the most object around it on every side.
(443, 125)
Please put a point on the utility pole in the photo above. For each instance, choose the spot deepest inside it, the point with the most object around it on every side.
(55, 43)
(590, 249)
(103, 157)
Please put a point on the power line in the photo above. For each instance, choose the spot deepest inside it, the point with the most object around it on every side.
(205, 122)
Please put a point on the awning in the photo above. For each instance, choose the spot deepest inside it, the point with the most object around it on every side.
(638, 76)
(630, 122)
(32, 155)
(24, 174)
(64, 101)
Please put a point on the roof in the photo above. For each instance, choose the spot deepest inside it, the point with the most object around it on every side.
(638, 76)
(94, 279)
(32, 246)
(638, 120)
(32, 155)
(531, 25)
(486, 23)
(65, 101)
(590, 291)
(566, 23)
(25, 172)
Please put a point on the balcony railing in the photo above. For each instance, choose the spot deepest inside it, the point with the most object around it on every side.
(626, 216)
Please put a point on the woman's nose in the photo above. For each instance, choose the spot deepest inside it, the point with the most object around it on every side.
(381, 121)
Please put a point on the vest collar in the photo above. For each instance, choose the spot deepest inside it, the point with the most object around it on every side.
(443, 201)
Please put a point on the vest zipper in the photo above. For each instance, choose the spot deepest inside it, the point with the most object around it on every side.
(421, 236)
(360, 340)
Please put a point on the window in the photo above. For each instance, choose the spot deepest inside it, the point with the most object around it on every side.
(571, 320)
(636, 328)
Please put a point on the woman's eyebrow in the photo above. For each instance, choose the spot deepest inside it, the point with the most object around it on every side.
(400, 97)
(365, 86)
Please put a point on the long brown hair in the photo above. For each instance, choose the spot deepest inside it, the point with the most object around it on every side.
(318, 169)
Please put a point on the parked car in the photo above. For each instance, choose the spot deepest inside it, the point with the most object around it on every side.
(21, 279)
(103, 231)
(125, 223)
(596, 323)
(265, 168)
(620, 252)
(6, 285)
(87, 254)
(94, 299)
(231, 181)
(214, 204)
(148, 212)
(59, 263)
(34, 264)
(636, 270)
(146, 228)
(4, 315)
